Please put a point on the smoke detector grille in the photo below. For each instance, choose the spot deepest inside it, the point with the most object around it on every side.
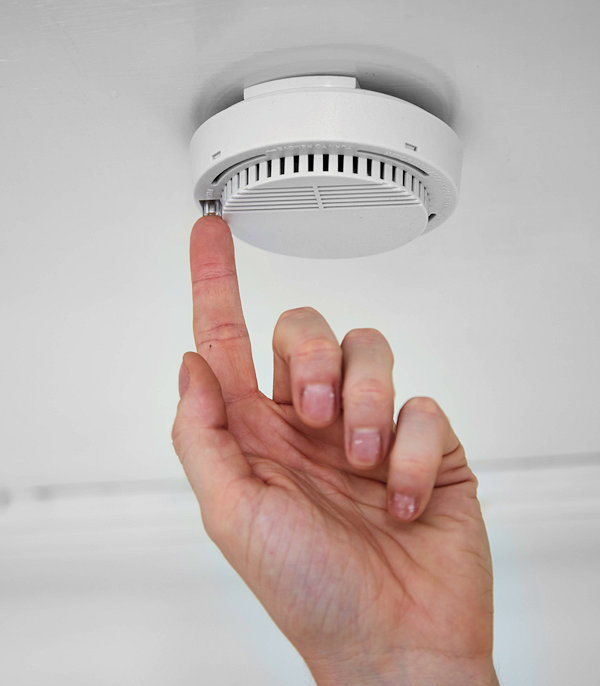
(263, 186)
(318, 167)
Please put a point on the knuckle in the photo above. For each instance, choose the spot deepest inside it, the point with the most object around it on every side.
(369, 338)
(180, 439)
(317, 347)
(212, 270)
(418, 468)
(213, 524)
(220, 333)
(176, 437)
(423, 405)
(298, 312)
(365, 336)
(368, 392)
(471, 476)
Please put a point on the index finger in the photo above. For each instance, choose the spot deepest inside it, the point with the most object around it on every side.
(220, 331)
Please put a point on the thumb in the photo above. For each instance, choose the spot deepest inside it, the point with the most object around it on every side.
(210, 455)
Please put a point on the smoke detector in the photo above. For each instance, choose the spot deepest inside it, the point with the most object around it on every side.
(315, 166)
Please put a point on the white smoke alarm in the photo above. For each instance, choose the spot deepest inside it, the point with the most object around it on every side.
(315, 166)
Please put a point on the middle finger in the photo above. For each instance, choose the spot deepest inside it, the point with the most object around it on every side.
(307, 366)
(367, 397)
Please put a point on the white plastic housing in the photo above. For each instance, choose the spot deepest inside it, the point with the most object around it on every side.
(314, 166)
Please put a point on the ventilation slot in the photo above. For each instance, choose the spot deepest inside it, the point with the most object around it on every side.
(383, 184)
(393, 160)
(357, 162)
(244, 163)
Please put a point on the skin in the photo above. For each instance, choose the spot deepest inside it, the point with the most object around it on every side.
(368, 591)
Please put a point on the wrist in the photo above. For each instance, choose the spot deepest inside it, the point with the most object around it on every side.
(416, 668)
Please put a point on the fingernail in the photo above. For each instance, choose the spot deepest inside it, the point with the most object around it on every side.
(403, 506)
(318, 401)
(366, 445)
(184, 379)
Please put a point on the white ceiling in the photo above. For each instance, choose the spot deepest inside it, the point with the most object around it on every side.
(494, 314)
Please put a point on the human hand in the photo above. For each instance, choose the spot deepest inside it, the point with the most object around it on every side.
(368, 588)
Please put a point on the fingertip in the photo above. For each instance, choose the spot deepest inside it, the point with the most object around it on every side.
(189, 366)
(404, 506)
(201, 397)
(188, 358)
(364, 447)
(317, 406)
(211, 242)
(209, 219)
(409, 492)
(200, 377)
